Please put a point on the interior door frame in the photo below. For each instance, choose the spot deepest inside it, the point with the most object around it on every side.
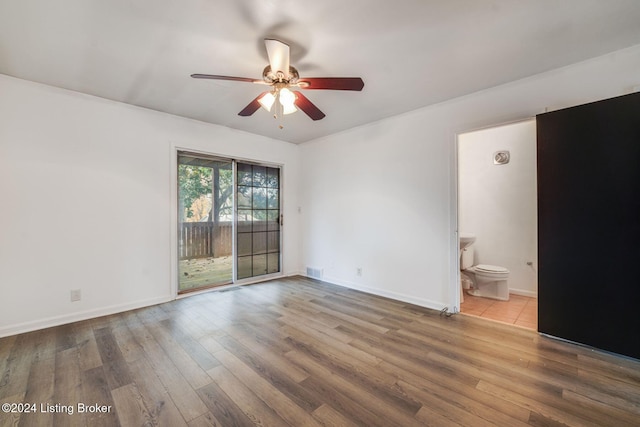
(455, 275)
(173, 224)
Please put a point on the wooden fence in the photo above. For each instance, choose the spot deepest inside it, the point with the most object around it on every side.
(205, 239)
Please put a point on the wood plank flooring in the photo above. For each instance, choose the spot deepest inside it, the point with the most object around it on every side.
(298, 352)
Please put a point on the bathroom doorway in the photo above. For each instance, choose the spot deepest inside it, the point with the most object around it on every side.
(497, 205)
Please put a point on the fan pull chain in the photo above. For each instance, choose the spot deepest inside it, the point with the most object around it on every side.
(278, 111)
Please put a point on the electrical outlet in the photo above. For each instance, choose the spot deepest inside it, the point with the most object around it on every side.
(76, 295)
(359, 271)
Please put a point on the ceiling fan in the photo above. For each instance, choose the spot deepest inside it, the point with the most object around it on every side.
(282, 77)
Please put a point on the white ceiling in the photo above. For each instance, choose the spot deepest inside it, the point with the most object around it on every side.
(410, 53)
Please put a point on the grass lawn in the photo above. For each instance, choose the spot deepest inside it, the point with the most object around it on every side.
(195, 273)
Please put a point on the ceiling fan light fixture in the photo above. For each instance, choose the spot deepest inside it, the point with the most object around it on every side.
(287, 100)
(288, 109)
(267, 101)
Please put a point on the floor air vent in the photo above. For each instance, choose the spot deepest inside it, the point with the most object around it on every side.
(237, 288)
(316, 273)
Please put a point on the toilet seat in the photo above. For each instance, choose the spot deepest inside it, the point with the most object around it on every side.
(486, 268)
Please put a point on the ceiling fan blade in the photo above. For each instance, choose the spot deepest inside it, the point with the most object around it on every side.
(216, 77)
(332, 83)
(278, 53)
(303, 103)
(252, 107)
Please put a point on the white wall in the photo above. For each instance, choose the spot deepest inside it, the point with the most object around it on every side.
(77, 171)
(383, 196)
(85, 201)
(498, 203)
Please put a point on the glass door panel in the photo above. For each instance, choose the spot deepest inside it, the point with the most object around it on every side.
(205, 222)
(258, 226)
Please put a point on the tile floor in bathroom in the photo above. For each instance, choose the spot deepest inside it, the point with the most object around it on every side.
(519, 310)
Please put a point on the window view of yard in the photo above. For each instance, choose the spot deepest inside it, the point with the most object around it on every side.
(205, 197)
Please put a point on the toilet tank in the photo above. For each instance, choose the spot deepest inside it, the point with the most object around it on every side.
(466, 259)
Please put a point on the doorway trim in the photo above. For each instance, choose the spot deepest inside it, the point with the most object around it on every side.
(454, 289)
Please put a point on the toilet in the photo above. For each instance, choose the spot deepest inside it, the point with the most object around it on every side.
(489, 281)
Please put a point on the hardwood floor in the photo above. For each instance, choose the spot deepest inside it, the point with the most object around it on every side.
(297, 352)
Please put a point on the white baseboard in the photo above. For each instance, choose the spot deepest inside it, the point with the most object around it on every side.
(49, 322)
(422, 302)
(524, 293)
(105, 311)
(295, 273)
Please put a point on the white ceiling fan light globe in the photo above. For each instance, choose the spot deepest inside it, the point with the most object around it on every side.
(287, 100)
(267, 101)
(287, 97)
(288, 109)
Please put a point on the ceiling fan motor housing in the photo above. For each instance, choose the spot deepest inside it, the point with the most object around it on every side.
(278, 77)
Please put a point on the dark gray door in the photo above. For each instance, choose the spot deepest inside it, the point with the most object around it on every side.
(589, 224)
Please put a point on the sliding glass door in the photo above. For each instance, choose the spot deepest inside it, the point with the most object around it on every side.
(228, 221)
